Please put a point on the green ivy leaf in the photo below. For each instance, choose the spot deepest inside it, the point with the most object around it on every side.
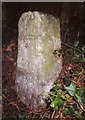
(69, 111)
(54, 103)
(57, 102)
(79, 96)
(71, 89)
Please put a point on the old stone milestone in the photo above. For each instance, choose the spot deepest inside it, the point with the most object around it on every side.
(37, 66)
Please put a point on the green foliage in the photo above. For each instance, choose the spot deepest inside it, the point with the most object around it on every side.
(56, 101)
(71, 96)
(69, 110)
(79, 97)
(71, 89)
(59, 97)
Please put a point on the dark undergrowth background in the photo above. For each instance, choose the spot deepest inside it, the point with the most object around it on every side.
(66, 100)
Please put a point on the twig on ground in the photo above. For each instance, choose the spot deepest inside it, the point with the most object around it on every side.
(12, 103)
(53, 114)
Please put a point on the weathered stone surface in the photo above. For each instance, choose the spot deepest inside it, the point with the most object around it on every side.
(37, 67)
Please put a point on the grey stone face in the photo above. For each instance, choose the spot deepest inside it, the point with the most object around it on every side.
(37, 67)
